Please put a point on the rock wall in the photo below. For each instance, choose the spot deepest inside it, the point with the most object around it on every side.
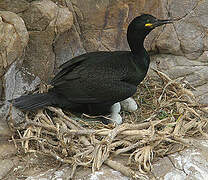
(37, 36)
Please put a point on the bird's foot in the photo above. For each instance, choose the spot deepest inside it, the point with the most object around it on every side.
(129, 105)
(115, 116)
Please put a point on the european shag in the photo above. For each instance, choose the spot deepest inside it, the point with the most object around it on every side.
(94, 81)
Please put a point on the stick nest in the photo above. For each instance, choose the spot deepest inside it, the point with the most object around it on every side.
(168, 117)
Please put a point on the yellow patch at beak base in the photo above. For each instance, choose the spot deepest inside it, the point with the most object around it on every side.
(148, 25)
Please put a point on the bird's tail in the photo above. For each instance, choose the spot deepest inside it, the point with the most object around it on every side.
(33, 101)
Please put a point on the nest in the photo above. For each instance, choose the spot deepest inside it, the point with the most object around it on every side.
(168, 119)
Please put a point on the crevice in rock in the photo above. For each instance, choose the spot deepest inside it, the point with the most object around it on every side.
(170, 15)
(76, 23)
(15, 81)
(75, 20)
(192, 10)
(56, 35)
(20, 12)
(54, 52)
(173, 164)
(102, 29)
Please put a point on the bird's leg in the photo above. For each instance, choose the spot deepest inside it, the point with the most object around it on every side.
(115, 110)
(129, 105)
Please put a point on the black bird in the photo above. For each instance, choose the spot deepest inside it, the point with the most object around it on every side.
(94, 81)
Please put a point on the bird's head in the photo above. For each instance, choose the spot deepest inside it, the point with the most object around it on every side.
(147, 22)
(140, 27)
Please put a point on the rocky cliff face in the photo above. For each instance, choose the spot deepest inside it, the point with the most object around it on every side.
(36, 36)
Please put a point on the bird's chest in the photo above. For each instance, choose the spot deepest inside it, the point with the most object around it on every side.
(136, 73)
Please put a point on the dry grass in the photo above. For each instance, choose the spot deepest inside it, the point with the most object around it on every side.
(167, 120)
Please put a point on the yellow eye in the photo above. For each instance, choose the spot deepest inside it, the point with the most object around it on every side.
(148, 25)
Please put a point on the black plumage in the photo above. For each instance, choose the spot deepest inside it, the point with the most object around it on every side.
(94, 81)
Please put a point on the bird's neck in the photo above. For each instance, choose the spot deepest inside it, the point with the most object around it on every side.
(136, 44)
(136, 40)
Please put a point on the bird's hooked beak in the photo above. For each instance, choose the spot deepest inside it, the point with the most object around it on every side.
(158, 23)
